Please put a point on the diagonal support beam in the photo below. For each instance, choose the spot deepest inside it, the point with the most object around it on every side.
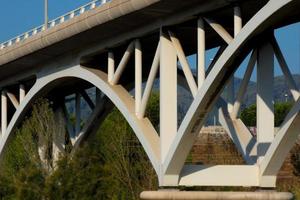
(244, 84)
(87, 98)
(218, 54)
(13, 99)
(220, 30)
(123, 63)
(285, 69)
(185, 65)
(240, 135)
(99, 108)
(150, 81)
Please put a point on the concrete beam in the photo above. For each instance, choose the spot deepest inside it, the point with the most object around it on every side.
(219, 175)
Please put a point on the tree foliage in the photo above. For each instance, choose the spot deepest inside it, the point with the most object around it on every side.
(248, 115)
(110, 165)
(23, 173)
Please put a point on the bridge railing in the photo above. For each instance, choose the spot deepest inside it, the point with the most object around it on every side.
(89, 6)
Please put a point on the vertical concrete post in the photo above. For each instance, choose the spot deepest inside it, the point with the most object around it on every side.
(22, 93)
(237, 28)
(230, 94)
(59, 138)
(201, 53)
(168, 94)
(3, 112)
(238, 23)
(138, 76)
(78, 113)
(265, 108)
(111, 66)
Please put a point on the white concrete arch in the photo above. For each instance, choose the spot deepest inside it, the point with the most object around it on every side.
(143, 128)
(212, 86)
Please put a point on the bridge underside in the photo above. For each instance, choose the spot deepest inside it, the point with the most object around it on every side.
(123, 44)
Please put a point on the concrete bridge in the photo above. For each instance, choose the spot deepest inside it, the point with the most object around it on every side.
(117, 45)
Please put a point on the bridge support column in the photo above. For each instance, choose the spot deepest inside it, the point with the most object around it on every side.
(168, 94)
(59, 138)
(78, 113)
(3, 112)
(201, 53)
(237, 29)
(111, 66)
(138, 76)
(265, 107)
(22, 93)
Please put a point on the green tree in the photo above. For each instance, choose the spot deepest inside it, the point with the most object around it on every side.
(248, 115)
(27, 159)
(110, 165)
(281, 110)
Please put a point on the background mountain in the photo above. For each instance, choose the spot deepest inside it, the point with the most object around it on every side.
(281, 93)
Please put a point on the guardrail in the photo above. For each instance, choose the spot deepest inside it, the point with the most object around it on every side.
(54, 22)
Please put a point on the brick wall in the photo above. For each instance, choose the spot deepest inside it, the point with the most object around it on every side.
(214, 146)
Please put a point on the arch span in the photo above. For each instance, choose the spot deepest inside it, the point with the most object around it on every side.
(143, 129)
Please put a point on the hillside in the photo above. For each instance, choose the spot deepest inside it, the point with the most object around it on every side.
(185, 97)
(279, 92)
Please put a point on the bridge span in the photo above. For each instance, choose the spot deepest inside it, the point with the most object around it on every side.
(118, 45)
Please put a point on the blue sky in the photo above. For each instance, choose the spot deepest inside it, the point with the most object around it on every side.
(289, 41)
(20, 16)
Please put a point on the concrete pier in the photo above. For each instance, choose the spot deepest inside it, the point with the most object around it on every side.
(207, 195)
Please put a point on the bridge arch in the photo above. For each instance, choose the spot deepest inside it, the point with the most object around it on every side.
(143, 129)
